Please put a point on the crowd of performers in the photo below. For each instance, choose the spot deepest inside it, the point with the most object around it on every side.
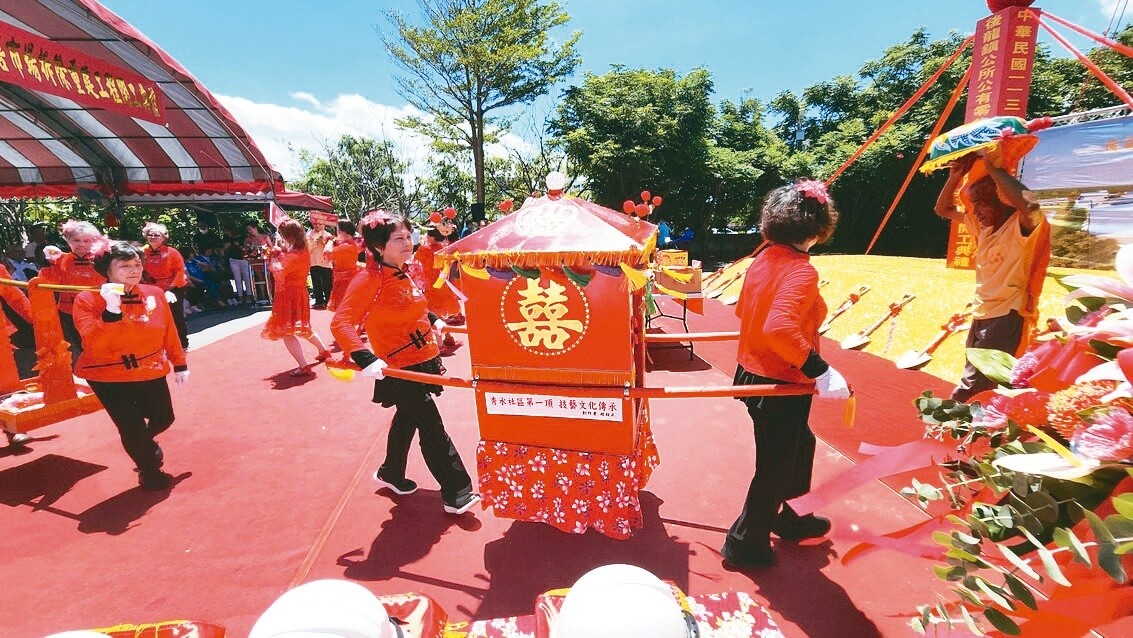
(131, 339)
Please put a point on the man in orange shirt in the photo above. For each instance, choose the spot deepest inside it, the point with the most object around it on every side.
(1012, 254)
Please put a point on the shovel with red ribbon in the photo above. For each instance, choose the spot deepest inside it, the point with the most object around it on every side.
(845, 305)
(915, 359)
(861, 339)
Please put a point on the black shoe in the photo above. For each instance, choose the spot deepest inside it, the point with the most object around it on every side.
(764, 557)
(18, 439)
(797, 528)
(462, 503)
(401, 486)
(155, 481)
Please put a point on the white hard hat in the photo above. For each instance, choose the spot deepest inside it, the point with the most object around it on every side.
(85, 633)
(326, 609)
(620, 601)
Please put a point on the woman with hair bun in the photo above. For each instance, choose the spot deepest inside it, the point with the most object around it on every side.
(780, 310)
(343, 251)
(403, 335)
(290, 317)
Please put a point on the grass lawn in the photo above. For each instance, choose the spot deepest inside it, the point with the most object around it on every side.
(940, 293)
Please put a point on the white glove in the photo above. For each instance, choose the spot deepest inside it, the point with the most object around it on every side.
(52, 253)
(439, 325)
(112, 293)
(181, 378)
(170, 297)
(832, 385)
(374, 370)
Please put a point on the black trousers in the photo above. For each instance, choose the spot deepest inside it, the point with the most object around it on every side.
(417, 413)
(140, 410)
(995, 333)
(320, 282)
(784, 460)
(178, 310)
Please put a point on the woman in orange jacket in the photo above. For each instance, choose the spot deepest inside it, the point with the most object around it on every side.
(75, 268)
(343, 251)
(402, 335)
(165, 268)
(442, 301)
(780, 311)
(22, 307)
(129, 345)
(290, 317)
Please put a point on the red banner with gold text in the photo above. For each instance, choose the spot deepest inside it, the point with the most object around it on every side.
(32, 62)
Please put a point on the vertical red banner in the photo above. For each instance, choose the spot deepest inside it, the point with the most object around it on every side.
(1003, 60)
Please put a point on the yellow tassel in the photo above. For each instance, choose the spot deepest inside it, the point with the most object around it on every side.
(849, 411)
(1056, 446)
(479, 273)
(683, 277)
(672, 293)
(635, 278)
(440, 282)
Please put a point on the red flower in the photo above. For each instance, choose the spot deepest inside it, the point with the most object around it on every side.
(1065, 405)
(1058, 364)
(813, 189)
(1109, 438)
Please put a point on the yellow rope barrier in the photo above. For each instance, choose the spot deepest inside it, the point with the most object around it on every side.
(56, 287)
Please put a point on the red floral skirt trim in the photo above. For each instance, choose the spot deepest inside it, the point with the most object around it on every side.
(572, 491)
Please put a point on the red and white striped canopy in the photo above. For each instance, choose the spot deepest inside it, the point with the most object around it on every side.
(88, 104)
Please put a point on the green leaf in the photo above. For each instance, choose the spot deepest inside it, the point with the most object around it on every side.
(1110, 562)
(1020, 591)
(1123, 549)
(1075, 314)
(969, 621)
(1101, 532)
(969, 595)
(1107, 351)
(994, 364)
(1001, 622)
(1047, 559)
(1064, 537)
(993, 593)
(1091, 303)
(1016, 561)
(1043, 505)
(1124, 505)
(949, 573)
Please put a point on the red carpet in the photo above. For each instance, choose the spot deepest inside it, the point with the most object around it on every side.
(267, 497)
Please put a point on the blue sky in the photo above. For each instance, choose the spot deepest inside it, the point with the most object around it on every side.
(299, 73)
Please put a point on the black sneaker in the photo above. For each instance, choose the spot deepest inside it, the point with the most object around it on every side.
(798, 528)
(763, 558)
(401, 486)
(462, 503)
(155, 481)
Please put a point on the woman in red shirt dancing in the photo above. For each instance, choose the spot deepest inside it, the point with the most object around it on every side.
(402, 335)
(343, 251)
(291, 307)
(780, 311)
(75, 268)
(129, 345)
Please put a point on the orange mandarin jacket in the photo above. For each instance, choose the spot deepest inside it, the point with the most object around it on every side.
(393, 310)
(780, 311)
(164, 267)
(138, 345)
(16, 301)
(69, 270)
(344, 256)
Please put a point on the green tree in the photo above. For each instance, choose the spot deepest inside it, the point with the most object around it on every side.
(361, 174)
(629, 130)
(475, 58)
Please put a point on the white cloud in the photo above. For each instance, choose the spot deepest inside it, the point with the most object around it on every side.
(282, 131)
(1109, 7)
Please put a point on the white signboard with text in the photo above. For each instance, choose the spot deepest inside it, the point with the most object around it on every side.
(552, 406)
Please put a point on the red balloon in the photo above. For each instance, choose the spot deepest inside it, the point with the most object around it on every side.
(435, 217)
(656, 200)
(450, 213)
(644, 196)
(642, 210)
(627, 207)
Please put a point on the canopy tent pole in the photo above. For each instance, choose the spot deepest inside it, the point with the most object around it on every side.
(901, 111)
(1101, 39)
(956, 93)
(1093, 68)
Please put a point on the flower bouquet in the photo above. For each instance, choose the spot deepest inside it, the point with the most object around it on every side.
(1041, 486)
